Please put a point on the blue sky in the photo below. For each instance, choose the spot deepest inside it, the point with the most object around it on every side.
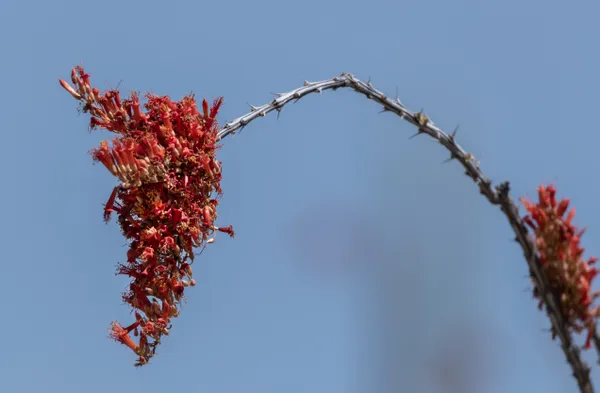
(360, 262)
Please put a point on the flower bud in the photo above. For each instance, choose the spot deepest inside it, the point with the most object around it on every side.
(68, 88)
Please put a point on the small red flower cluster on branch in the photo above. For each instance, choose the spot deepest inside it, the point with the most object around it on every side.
(164, 157)
(560, 253)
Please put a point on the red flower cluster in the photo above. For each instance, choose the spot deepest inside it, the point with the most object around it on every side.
(165, 159)
(560, 253)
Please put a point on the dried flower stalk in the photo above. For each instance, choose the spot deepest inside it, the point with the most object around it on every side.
(498, 195)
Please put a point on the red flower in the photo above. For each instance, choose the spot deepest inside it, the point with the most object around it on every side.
(558, 246)
(166, 203)
(121, 335)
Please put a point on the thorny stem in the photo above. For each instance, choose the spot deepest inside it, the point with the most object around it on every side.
(496, 195)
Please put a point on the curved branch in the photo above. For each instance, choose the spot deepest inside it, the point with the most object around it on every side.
(497, 195)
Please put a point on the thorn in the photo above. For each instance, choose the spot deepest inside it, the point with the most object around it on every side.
(452, 157)
(384, 110)
(254, 108)
(526, 290)
(242, 127)
(417, 133)
(296, 100)
(278, 112)
(307, 83)
(319, 90)
(369, 82)
(454, 133)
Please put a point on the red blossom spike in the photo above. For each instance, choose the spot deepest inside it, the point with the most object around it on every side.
(559, 249)
(164, 158)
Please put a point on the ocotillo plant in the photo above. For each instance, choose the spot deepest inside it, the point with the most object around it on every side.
(163, 155)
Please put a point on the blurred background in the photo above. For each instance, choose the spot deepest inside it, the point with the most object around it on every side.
(361, 263)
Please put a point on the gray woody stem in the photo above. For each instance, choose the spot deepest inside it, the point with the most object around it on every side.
(497, 195)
